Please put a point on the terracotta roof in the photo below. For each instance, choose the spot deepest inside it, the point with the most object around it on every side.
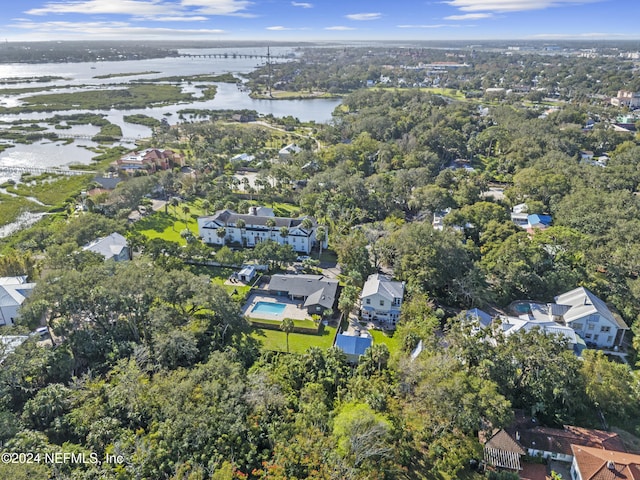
(533, 471)
(560, 440)
(501, 440)
(598, 464)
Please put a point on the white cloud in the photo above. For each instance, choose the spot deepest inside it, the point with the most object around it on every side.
(364, 16)
(302, 4)
(340, 28)
(91, 7)
(175, 19)
(144, 8)
(280, 28)
(469, 16)
(107, 30)
(594, 35)
(511, 5)
(219, 7)
(438, 25)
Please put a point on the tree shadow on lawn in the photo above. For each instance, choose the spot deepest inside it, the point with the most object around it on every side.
(158, 222)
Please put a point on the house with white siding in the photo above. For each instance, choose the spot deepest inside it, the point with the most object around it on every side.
(258, 226)
(381, 300)
(13, 292)
(589, 317)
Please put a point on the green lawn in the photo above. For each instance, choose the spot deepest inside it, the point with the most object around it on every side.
(169, 225)
(298, 342)
(297, 323)
(392, 342)
(218, 276)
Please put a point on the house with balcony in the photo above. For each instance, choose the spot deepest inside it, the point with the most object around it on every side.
(248, 230)
(381, 300)
(149, 160)
(589, 317)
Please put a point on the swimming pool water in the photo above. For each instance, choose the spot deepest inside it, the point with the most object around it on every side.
(271, 308)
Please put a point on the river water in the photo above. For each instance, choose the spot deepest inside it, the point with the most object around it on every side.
(79, 76)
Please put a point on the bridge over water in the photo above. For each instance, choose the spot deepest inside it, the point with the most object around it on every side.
(235, 56)
(40, 170)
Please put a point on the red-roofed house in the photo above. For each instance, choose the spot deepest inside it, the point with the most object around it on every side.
(596, 464)
(150, 160)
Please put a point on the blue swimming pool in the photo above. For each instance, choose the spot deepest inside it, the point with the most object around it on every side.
(272, 308)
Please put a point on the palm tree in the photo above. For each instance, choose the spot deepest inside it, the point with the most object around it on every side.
(186, 210)
(306, 224)
(241, 224)
(287, 327)
(221, 233)
(270, 223)
(206, 206)
(174, 203)
(284, 233)
(321, 234)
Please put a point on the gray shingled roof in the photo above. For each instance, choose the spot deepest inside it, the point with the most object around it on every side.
(317, 289)
(582, 303)
(382, 285)
(229, 218)
(109, 246)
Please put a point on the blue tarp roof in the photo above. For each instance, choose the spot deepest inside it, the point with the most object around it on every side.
(535, 219)
(352, 345)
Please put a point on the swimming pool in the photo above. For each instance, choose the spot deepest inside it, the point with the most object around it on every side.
(272, 308)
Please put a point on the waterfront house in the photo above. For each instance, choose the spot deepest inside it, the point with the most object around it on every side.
(149, 160)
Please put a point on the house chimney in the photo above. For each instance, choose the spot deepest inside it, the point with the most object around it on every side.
(253, 211)
(611, 465)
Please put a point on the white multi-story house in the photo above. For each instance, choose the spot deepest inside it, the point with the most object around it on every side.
(381, 300)
(259, 226)
(13, 292)
(589, 317)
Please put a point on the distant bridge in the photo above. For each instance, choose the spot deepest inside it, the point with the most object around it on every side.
(235, 56)
(39, 171)
(90, 137)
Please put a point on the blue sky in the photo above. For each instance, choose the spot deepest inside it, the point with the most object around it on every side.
(284, 20)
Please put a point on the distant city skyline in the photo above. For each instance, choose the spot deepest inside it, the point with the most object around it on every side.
(281, 20)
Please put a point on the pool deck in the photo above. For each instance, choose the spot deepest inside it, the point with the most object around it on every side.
(292, 309)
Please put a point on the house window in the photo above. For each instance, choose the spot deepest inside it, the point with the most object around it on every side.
(368, 301)
(595, 337)
(590, 326)
(610, 339)
(605, 329)
(382, 303)
(577, 326)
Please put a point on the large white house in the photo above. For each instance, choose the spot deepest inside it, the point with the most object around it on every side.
(381, 300)
(255, 228)
(13, 292)
(589, 317)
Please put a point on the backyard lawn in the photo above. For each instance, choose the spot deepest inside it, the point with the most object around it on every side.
(392, 342)
(298, 342)
(169, 225)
